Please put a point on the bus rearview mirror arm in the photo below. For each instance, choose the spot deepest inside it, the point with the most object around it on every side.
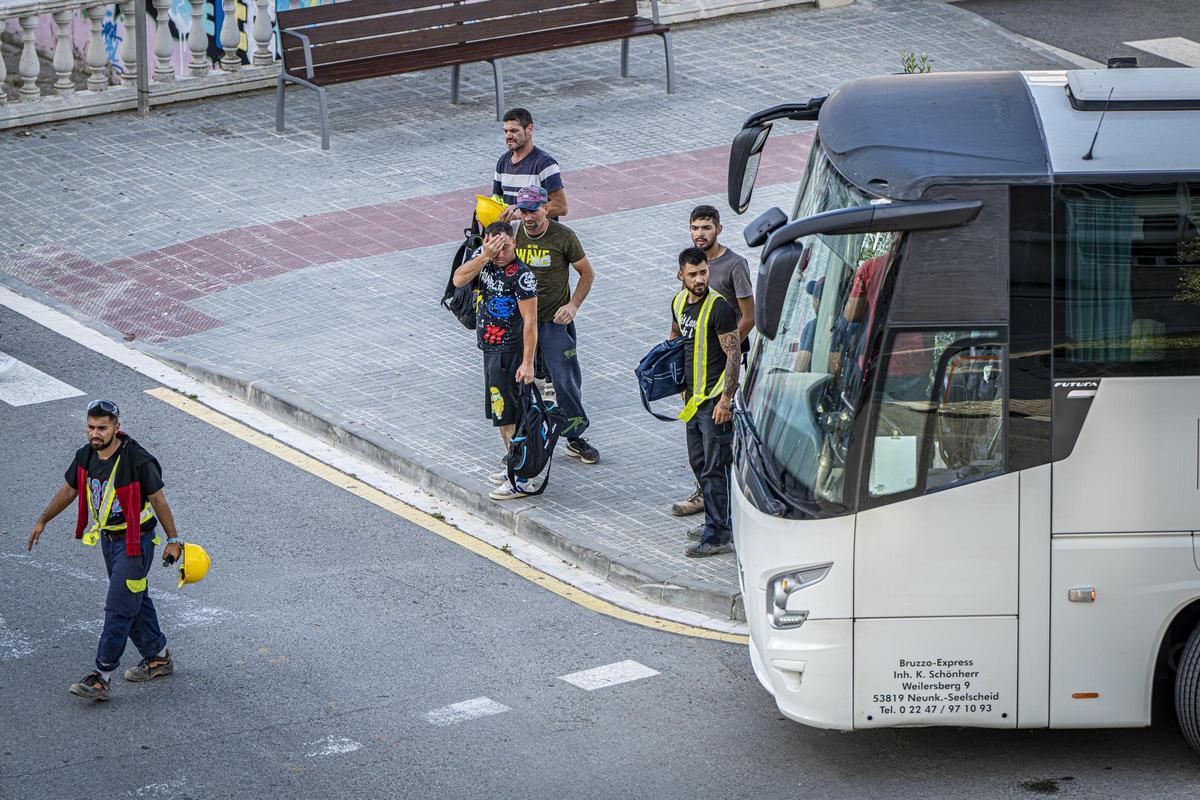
(783, 252)
(749, 142)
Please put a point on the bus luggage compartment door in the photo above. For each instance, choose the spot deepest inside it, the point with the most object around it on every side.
(935, 671)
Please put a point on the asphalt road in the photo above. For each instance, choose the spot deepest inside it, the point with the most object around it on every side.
(328, 630)
(1096, 29)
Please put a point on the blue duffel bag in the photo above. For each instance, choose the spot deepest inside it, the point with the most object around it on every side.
(660, 374)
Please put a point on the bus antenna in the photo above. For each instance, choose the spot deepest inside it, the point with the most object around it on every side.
(1088, 155)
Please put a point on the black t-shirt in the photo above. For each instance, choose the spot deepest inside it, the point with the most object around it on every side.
(721, 320)
(100, 470)
(499, 327)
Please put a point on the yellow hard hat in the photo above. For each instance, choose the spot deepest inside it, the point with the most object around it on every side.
(193, 566)
(488, 209)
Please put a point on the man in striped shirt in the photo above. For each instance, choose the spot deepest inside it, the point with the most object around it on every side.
(525, 165)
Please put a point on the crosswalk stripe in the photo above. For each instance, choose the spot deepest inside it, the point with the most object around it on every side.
(1173, 48)
(333, 746)
(609, 675)
(466, 711)
(23, 385)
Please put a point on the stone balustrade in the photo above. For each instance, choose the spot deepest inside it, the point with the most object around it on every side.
(90, 46)
(97, 40)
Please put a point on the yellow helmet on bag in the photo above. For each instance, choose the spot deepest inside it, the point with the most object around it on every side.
(488, 209)
(193, 566)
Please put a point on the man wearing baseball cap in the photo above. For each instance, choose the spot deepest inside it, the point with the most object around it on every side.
(549, 248)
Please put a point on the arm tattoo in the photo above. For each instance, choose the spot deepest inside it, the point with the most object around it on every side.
(732, 346)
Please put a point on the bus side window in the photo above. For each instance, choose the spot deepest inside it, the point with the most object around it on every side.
(940, 417)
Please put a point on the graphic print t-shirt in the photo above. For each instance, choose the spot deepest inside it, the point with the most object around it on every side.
(499, 326)
(99, 472)
(550, 256)
(536, 169)
(720, 321)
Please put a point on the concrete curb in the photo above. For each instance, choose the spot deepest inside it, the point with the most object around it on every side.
(574, 546)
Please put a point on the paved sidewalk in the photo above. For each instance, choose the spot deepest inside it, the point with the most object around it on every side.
(255, 258)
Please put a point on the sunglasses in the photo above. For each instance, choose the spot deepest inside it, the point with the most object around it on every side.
(107, 406)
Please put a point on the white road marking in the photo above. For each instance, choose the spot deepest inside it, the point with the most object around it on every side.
(1066, 55)
(1173, 48)
(609, 675)
(13, 644)
(466, 711)
(182, 611)
(23, 385)
(333, 746)
(166, 789)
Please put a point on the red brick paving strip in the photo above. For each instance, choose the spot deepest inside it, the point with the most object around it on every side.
(146, 295)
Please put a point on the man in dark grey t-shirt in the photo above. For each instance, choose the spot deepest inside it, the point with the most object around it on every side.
(729, 273)
(729, 276)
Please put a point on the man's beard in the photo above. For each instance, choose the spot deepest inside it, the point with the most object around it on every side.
(102, 445)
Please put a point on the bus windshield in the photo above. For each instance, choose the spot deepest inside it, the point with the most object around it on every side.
(803, 388)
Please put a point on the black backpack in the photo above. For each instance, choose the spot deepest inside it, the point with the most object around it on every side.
(462, 301)
(532, 447)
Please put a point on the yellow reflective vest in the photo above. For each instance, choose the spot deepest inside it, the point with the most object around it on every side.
(701, 391)
(100, 522)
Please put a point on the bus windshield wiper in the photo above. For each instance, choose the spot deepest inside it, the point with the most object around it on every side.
(770, 476)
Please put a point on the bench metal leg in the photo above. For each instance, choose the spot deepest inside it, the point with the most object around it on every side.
(625, 58)
(499, 73)
(279, 98)
(324, 117)
(454, 84)
(666, 37)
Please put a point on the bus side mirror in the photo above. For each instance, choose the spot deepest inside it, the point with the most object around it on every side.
(744, 157)
(774, 276)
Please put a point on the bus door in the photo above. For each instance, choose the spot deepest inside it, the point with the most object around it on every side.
(935, 599)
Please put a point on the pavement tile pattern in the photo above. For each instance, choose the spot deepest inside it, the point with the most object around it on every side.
(203, 230)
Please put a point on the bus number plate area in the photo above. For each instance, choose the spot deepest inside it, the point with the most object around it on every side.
(935, 671)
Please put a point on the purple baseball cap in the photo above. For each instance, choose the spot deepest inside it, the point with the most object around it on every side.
(531, 198)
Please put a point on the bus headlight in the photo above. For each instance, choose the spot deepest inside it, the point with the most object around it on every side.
(781, 587)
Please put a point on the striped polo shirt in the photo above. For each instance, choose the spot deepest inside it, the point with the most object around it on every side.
(536, 169)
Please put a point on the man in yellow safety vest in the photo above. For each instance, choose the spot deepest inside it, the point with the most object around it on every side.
(712, 358)
(115, 479)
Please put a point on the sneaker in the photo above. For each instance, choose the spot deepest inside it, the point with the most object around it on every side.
(148, 668)
(579, 448)
(548, 394)
(91, 686)
(702, 549)
(693, 505)
(507, 492)
(498, 478)
(695, 534)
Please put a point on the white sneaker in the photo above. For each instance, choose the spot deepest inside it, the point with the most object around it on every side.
(506, 492)
(548, 393)
(499, 478)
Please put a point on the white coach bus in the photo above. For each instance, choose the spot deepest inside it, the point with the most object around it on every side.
(968, 438)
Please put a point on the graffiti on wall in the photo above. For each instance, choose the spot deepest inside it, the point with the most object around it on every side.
(180, 20)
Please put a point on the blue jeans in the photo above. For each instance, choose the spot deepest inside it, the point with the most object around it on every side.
(557, 346)
(128, 610)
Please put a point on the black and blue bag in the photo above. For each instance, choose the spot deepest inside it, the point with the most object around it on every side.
(532, 447)
(660, 374)
(463, 301)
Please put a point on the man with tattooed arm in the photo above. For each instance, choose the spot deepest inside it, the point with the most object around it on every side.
(712, 359)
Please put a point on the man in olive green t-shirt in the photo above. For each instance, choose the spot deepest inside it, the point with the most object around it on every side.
(550, 249)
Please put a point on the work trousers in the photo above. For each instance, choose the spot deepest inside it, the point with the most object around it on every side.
(556, 344)
(710, 452)
(128, 610)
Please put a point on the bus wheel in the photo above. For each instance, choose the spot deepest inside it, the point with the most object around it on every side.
(1187, 690)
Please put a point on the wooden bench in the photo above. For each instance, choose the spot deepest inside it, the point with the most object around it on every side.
(347, 41)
